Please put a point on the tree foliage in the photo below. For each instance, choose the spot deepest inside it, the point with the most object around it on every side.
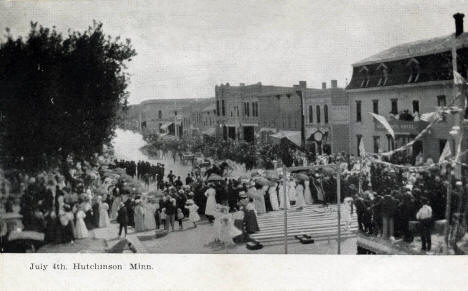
(60, 95)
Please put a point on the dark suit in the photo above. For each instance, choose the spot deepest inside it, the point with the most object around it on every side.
(122, 219)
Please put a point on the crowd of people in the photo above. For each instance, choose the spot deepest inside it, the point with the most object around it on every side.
(390, 202)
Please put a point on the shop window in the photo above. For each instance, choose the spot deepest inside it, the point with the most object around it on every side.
(325, 113)
(311, 114)
(317, 112)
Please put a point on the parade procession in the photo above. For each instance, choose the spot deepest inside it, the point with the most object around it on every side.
(378, 165)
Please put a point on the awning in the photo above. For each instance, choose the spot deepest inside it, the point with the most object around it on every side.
(249, 124)
(166, 125)
(231, 124)
(210, 131)
(293, 136)
(267, 129)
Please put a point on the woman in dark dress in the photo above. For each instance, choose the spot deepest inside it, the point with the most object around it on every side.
(250, 217)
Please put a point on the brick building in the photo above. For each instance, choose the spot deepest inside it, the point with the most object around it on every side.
(200, 117)
(401, 83)
(326, 119)
(239, 108)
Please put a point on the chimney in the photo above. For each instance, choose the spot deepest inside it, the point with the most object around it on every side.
(324, 85)
(334, 84)
(458, 23)
(303, 84)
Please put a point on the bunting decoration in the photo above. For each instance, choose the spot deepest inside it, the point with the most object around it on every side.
(446, 152)
(384, 122)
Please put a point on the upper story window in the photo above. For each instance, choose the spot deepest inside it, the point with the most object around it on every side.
(364, 71)
(358, 111)
(217, 107)
(175, 113)
(394, 106)
(223, 109)
(415, 106)
(414, 68)
(160, 114)
(246, 109)
(441, 102)
(375, 106)
(255, 109)
(311, 114)
(325, 113)
(317, 112)
(383, 69)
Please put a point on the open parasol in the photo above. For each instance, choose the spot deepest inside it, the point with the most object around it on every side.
(215, 178)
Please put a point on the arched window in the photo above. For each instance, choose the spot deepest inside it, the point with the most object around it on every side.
(383, 69)
(414, 68)
(325, 113)
(317, 109)
(311, 114)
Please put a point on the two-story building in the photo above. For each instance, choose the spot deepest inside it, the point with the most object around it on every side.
(401, 83)
(238, 109)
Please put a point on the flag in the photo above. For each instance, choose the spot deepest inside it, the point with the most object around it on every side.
(446, 152)
(429, 117)
(458, 79)
(384, 122)
(362, 150)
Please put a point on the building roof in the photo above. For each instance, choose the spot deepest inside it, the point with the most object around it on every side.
(417, 48)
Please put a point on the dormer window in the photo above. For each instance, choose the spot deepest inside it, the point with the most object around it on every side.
(365, 80)
(414, 68)
(383, 69)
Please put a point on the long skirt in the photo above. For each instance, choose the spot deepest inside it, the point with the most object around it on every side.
(251, 224)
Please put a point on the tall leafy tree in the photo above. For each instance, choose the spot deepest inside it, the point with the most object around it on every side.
(60, 95)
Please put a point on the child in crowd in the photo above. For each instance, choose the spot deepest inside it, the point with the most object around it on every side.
(163, 217)
(180, 217)
(193, 214)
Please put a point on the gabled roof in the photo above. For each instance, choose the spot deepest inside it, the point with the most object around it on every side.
(417, 48)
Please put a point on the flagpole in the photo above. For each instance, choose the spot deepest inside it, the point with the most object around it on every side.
(338, 197)
(285, 211)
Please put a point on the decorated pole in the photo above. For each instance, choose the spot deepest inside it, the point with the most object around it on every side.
(285, 211)
(338, 197)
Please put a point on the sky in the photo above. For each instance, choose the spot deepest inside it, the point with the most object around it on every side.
(187, 47)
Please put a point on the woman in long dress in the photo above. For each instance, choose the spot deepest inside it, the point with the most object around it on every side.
(348, 212)
(103, 214)
(139, 217)
(273, 196)
(292, 192)
(258, 198)
(250, 218)
(210, 209)
(299, 196)
(283, 202)
(115, 204)
(307, 195)
(80, 227)
(150, 210)
(227, 229)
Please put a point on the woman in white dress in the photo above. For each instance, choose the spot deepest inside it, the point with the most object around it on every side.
(307, 195)
(348, 212)
(281, 196)
(80, 228)
(139, 217)
(273, 196)
(150, 221)
(210, 209)
(292, 192)
(103, 214)
(299, 196)
(257, 196)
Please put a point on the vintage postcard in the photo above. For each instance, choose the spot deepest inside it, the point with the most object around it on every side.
(189, 129)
